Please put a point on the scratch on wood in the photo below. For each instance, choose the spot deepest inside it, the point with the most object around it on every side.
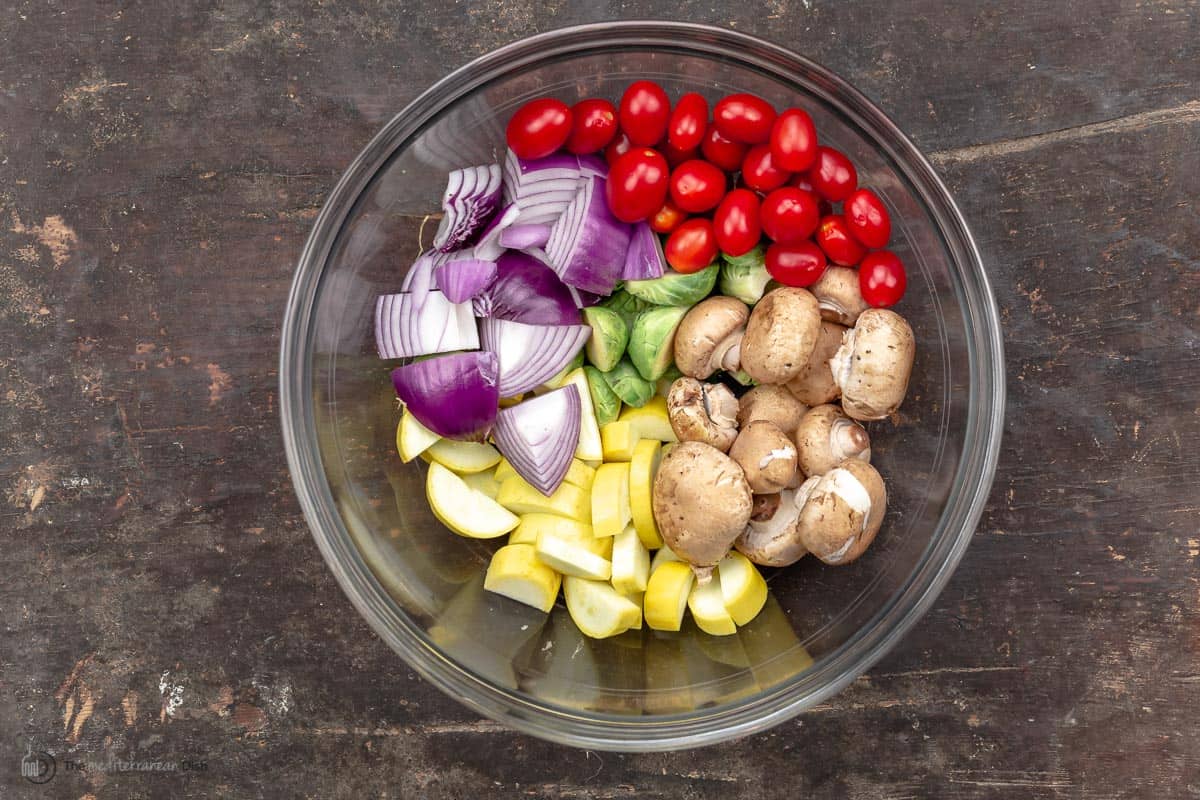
(1187, 113)
(945, 671)
(480, 726)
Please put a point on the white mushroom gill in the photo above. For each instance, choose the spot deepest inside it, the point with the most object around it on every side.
(842, 361)
(777, 453)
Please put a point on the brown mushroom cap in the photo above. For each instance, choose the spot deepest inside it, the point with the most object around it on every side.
(772, 539)
(838, 294)
(873, 364)
(701, 503)
(703, 412)
(772, 403)
(780, 335)
(814, 384)
(843, 512)
(709, 336)
(826, 437)
(766, 454)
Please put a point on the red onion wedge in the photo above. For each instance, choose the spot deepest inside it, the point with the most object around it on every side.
(530, 355)
(539, 437)
(489, 247)
(460, 279)
(645, 258)
(540, 188)
(455, 395)
(584, 299)
(410, 324)
(472, 197)
(526, 290)
(519, 237)
(587, 244)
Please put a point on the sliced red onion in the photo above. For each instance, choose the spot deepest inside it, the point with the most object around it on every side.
(584, 299)
(529, 355)
(645, 258)
(587, 244)
(460, 279)
(455, 395)
(539, 436)
(593, 165)
(472, 198)
(419, 278)
(519, 237)
(526, 290)
(542, 187)
(406, 327)
(488, 247)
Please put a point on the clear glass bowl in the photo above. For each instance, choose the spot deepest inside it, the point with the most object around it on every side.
(420, 586)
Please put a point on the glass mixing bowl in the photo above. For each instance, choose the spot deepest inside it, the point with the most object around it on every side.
(420, 586)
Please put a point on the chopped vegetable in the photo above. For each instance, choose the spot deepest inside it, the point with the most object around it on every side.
(572, 557)
(472, 197)
(598, 609)
(625, 304)
(520, 237)
(462, 509)
(413, 438)
(460, 279)
(642, 467)
(559, 379)
(533, 525)
(745, 277)
(587, 244)
(517, 573)
(568, 500)
(489, 247)
(652, 341)
(609, 337)
(456, 396)
(667, 594)
(589, 432)
(651, 421)
(610, 499)
(526, 290)
(464, 457)
(606, 404)
(707, 605)
(644, 259)
(410, 324)
(630, 562)
(541, 188)
(675, 288)
(539, 436)
(742, 587)
(529, 355)
(628, 385)
(619, 440)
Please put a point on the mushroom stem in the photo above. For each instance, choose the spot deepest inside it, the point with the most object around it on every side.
(730, 358)
(848, 440)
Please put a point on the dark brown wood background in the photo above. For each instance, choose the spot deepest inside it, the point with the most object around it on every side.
(160, 165)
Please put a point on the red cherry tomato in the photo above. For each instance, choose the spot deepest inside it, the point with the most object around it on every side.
(637, 184)
(593, 126)
(744, 118)
(539, 128)
(881, 278)
(737, 222)
(667, 219)
(868, 218)
(692, 247)
(759, 171)
(801, 181)
(619, 146)
(798, 264)
(675, 156)
(697, 186)
(794, 140)
(790, 214)
(685, 130)
(645, 110)
(833, 235)
(833, 175)
(724, 153)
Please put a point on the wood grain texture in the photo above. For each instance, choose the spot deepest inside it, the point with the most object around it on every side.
(160, 166)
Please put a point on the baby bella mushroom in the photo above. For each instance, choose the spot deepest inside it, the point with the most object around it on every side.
(701, 502)
(709, 337)
(826, 437)
(774, 404)
(843, 512)
(814, 384)
(772, 539)
(838, 294)
(703, 412)
(766, 455)
(780, 335)
(873, 364)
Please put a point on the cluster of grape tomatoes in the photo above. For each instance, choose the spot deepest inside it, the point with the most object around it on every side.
(722, 184)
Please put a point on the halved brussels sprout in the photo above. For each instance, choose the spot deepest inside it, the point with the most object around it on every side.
(652, 340)
(745, 277)
(628, 385)
(609, 336)
(605, 404)
(675, 288)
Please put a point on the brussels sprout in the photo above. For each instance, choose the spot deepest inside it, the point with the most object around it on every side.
(628, 385)
(745, 277)
(606, 404)
(652, 340)
(675, 288)
(557, 381)
(609, 336)
(625, 304)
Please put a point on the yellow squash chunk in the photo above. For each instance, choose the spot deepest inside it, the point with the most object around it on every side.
(630, 562)
(618, 440)
(667, 595)
(589, 448)
(646, 455)
(504, 470)
(568, 500)
(579, 473)
(516, 572)
(533, 524)
(597, 608)
(464, 510)
(742, 586)
(413, 438)
(707, 604)
(637, 599)
(663, 555)
(651, 421)
(483, 482)
(464, 457)
(610, 499)
(572, 557)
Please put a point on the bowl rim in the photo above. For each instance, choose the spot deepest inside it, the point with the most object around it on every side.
(968, 493)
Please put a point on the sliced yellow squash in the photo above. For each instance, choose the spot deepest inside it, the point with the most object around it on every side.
(646, 456)
(630, 562)
(597, 608)
(413, 438)
(464, 510)
(707, 604)
(742, 586)
(568, 500)
(517, 573)
(650, 421)
(464, 457)
(610, 499)
(667, 595)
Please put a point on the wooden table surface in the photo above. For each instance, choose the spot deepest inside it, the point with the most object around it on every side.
(160, 166)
